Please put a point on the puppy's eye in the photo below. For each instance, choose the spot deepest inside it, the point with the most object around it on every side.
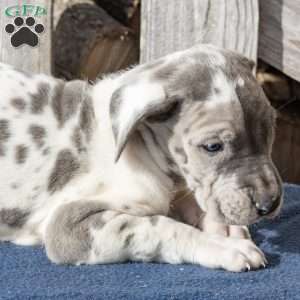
(213, 147)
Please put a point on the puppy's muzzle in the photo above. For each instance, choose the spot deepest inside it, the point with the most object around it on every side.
(268, 205)
(267, 192)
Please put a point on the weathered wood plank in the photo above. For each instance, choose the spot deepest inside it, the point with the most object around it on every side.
(279, 35)
(34, 59)
(286, 147)
(121, 10)
(172, 25)
(89, 43)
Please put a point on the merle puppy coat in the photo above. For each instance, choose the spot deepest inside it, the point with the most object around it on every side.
(90, 171)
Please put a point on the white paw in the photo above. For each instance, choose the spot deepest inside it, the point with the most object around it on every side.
(242, 255)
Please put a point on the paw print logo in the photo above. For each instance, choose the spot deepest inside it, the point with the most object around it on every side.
(24, 33)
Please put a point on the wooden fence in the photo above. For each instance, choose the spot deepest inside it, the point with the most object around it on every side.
(172, 25)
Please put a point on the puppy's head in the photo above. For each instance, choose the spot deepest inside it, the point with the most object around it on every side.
(221, 128)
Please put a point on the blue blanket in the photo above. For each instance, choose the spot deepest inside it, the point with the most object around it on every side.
(26, 273)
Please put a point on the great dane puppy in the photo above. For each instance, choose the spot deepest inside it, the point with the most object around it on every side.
(90, 171)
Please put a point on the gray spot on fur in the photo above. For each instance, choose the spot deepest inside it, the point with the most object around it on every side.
(154, 220)
(217, 91)
(77, 140)
(40, 99)
(87, 118)
(4, 131)
(192, 78)
(56, 102)
(166, 72)
(186, 130)
(128, 240)
(46, 151)
(38, 134)
(157, 253)
(67, 98)
(14, 186)
(4, 135)
(64, 170)
(115, 102)
(123, 226)
(19, 104)
(21, 154)
(68, 238)
(13, 217)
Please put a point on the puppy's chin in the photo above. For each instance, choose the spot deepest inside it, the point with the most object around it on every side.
(231, 208)
(239, 217)
(219, 217)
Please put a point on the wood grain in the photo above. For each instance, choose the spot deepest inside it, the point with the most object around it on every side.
(121, 10)
(96, 43)
(286, 147)
(172, 25)
(33, 59)
(279, 35)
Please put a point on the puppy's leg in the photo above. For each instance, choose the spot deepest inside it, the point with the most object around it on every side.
(82, 232)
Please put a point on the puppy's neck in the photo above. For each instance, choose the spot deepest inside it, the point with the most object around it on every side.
(156, 137)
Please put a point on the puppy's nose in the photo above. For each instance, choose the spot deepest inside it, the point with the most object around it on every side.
(267, 206)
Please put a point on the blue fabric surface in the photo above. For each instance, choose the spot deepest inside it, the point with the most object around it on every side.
(26, 273)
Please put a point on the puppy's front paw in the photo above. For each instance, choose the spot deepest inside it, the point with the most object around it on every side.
(242, 255)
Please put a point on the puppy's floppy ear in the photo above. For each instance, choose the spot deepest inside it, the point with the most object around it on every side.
(248, 63)
(131, 104)
(251, 65)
